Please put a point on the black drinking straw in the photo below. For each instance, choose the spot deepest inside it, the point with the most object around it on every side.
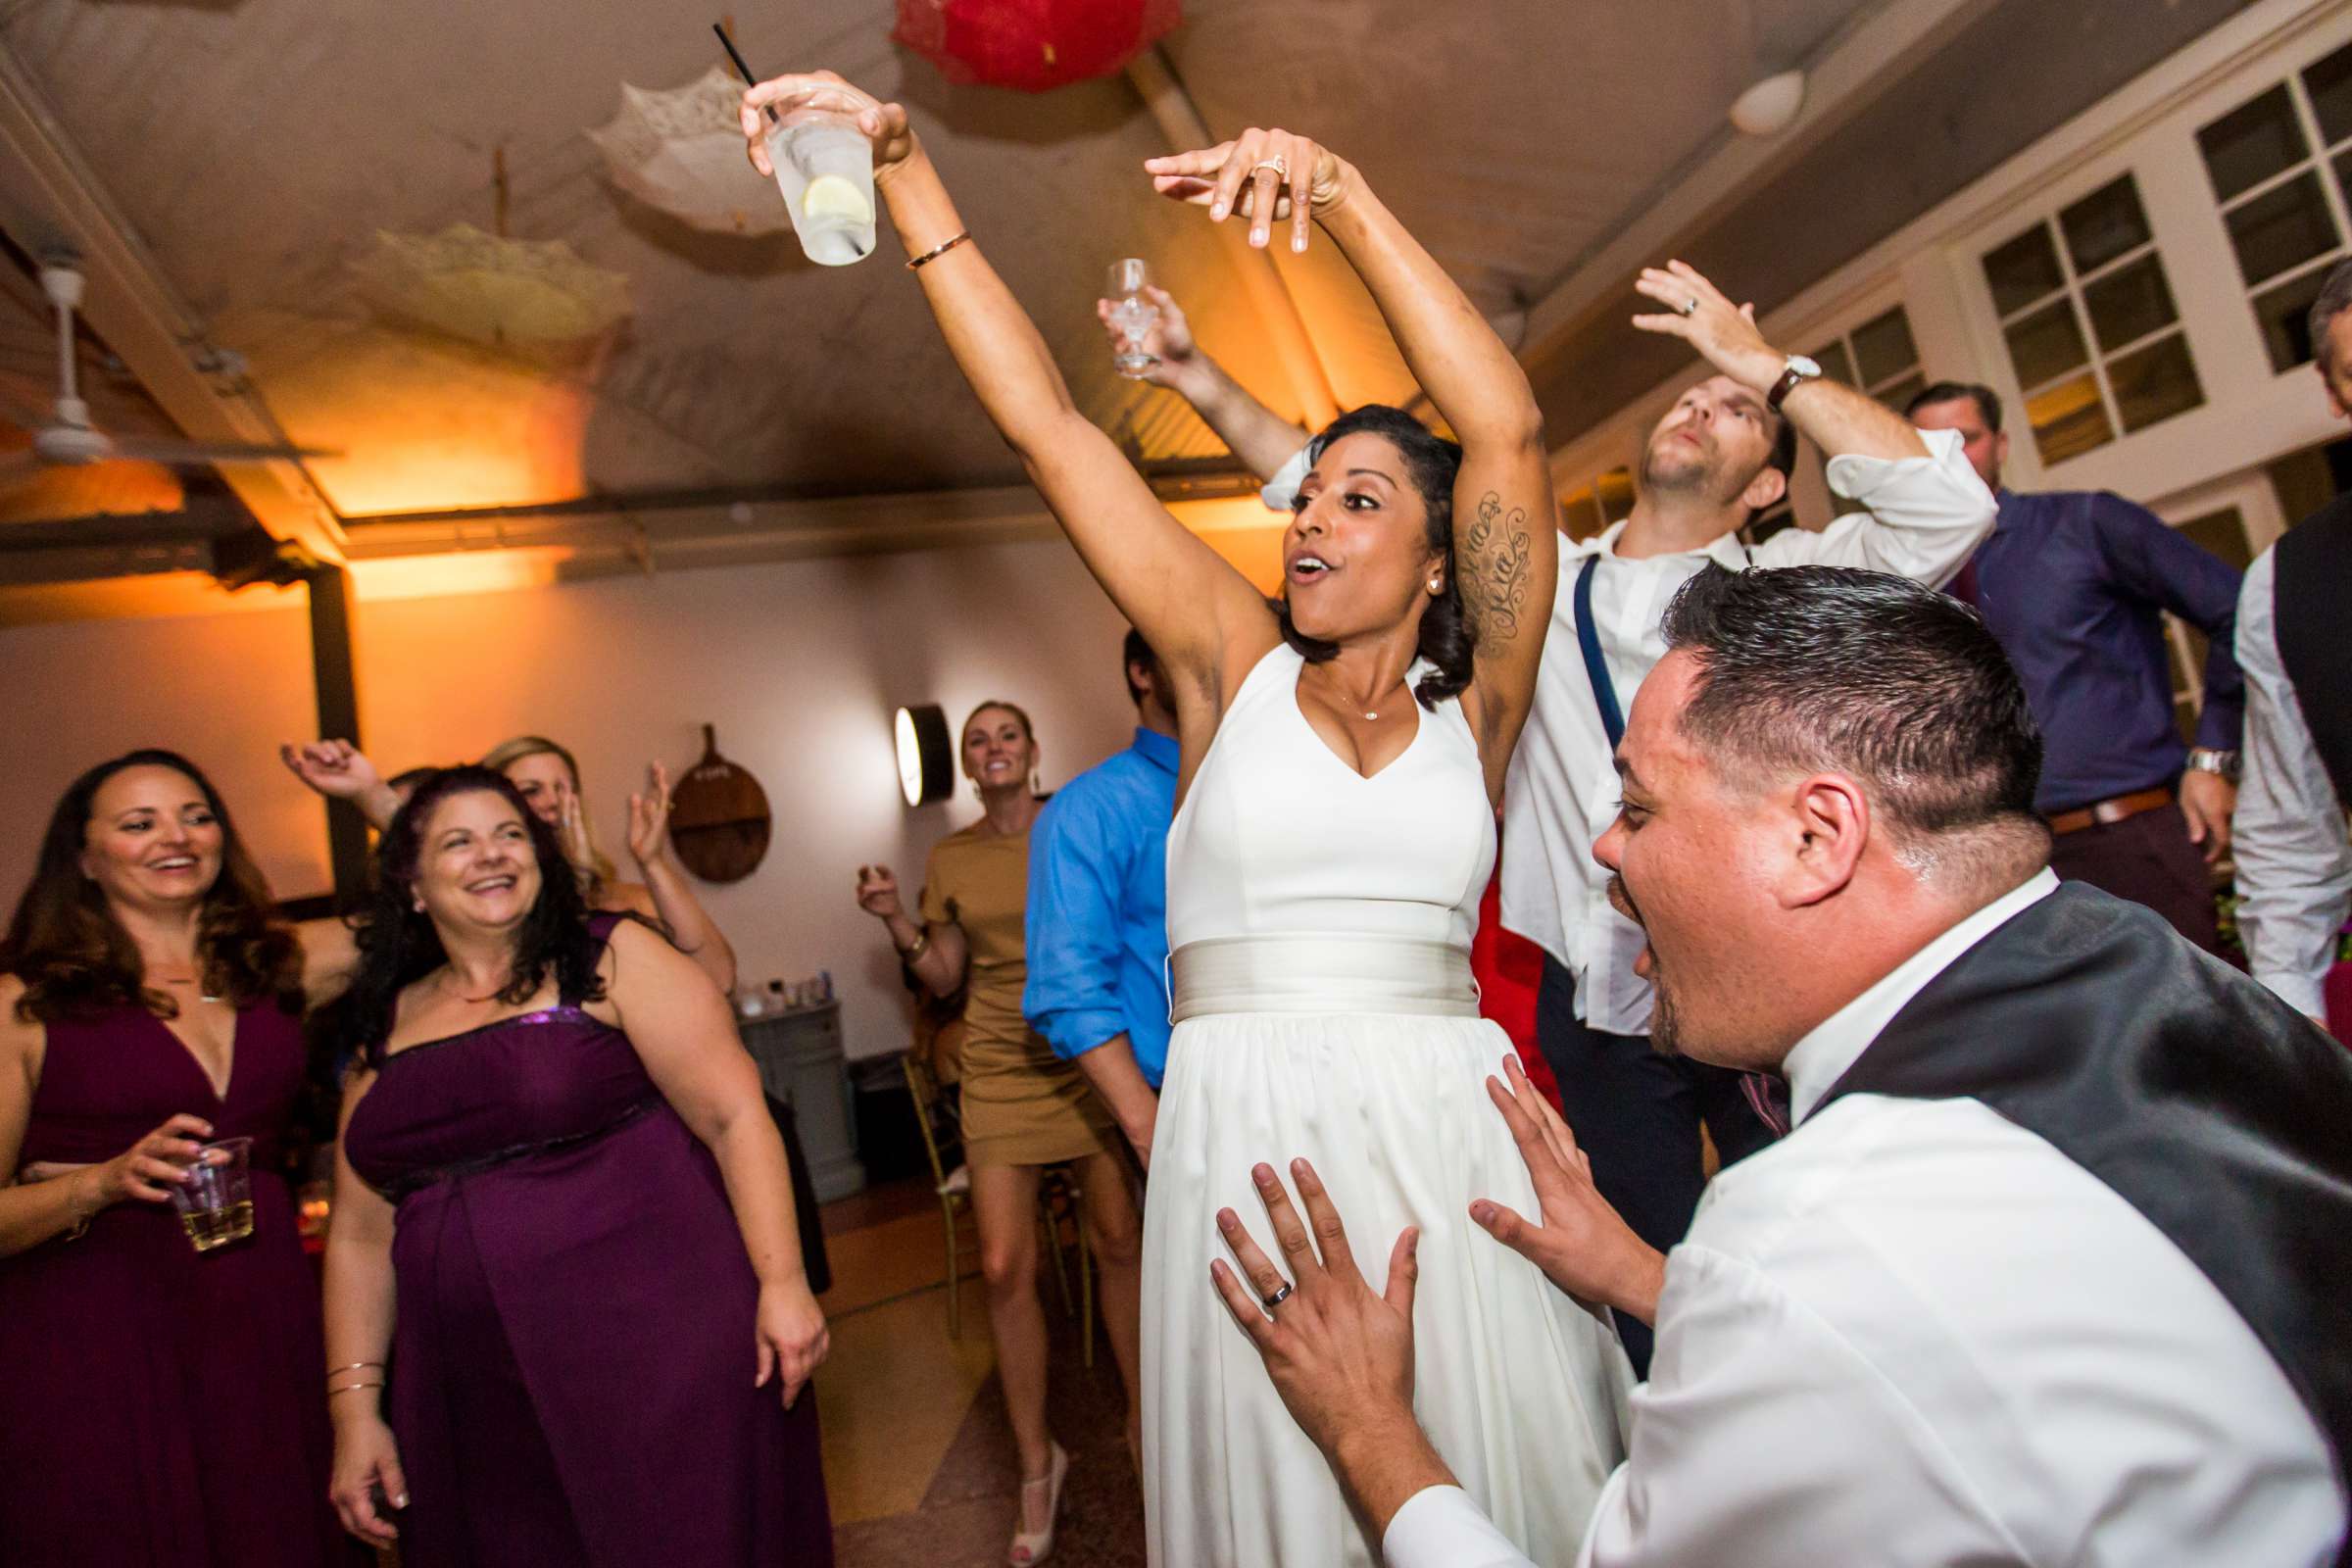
(736, 55)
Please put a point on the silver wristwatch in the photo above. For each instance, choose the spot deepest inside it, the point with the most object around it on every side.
(2223, 765)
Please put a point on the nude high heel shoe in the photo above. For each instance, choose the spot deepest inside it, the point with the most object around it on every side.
(1032, 1547)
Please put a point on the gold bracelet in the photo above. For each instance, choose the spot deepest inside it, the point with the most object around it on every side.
(356, 1367)
(353, 1387)
(82, 1226)
(938, 250)
(922, 945)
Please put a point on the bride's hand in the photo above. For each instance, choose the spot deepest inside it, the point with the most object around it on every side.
(1266, 176)
(883, 124)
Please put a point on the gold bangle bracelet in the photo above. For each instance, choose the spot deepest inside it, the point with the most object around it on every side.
(353, 1387)
(356, 1367)
(938, 250)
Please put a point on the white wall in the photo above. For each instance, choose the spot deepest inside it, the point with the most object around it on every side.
(797, 664)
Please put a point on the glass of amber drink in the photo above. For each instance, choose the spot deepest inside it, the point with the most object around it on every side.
(215, 1201)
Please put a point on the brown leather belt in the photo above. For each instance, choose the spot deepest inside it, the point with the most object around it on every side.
(2102, 812)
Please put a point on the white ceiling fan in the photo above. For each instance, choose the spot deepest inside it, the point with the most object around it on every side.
(68, 438)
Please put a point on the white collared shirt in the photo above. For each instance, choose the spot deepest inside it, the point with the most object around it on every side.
(1922, 519)
(1912, 1333)
(2295, 858)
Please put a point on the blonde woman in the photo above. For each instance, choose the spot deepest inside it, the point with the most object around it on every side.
(1024, 1107)
(549, 779)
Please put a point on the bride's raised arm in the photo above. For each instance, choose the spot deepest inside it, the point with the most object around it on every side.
(1203, 617)
(1505, 516)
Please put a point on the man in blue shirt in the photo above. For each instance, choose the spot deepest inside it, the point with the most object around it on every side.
(2073, 584)
(1097, 927)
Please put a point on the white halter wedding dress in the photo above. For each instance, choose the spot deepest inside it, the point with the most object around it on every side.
(1321, 924)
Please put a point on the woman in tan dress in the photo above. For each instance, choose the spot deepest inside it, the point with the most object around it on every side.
(1023, 1107)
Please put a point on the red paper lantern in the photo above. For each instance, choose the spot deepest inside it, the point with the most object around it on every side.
(1032, 44)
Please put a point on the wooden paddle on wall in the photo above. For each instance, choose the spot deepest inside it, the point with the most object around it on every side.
(718, 817)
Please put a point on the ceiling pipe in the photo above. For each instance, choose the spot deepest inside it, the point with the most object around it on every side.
(1171, 479)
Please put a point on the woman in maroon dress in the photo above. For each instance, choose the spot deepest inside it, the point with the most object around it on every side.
(564, 1221)
(159, 1407)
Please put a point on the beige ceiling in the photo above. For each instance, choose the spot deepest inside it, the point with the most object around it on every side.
(257, 148)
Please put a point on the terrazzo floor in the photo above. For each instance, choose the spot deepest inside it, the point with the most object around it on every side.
(920, 1460)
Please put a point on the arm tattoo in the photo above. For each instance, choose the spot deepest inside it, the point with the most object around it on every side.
(1495, 557)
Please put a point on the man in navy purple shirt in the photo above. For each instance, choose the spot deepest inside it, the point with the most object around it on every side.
(2074, 584)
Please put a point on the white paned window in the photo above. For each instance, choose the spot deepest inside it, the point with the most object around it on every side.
(2088, 315)
(2280, 163)
(1878, 356)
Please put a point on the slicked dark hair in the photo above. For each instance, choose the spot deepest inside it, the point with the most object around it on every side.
(1987, 400)
(1830, 669)
(1431, 463)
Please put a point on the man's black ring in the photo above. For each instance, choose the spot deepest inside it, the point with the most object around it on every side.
(1278, 1297)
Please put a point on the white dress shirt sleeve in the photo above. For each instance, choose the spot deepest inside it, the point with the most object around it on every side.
(1920, 518)
(2294, 863)
(1440, 1527)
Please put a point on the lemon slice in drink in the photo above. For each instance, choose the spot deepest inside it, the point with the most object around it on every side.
(835, 197)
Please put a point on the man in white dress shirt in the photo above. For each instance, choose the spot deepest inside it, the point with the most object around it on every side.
(1919, 1329)
(2294, 854)
(1718, 457)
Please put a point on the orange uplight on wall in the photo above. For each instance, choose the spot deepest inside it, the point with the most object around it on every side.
(427, 423)
(470, 571)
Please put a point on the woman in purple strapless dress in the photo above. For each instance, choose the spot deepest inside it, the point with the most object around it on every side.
(565, 1222)
(159, 1407)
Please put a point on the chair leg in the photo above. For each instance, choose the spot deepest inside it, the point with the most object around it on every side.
(1062, 1274)
(946, 1217)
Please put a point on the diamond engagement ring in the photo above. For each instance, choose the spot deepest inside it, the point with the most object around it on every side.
(1278, 1297)
(1282, 170)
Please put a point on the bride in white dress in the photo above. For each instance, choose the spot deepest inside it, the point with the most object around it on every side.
(1341, 754)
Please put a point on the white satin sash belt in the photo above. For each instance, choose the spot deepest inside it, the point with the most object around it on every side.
(1330, 974)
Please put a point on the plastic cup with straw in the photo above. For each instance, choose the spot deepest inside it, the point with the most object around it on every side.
(824, 168)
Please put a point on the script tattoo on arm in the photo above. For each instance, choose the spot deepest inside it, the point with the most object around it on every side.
(1493, 575)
